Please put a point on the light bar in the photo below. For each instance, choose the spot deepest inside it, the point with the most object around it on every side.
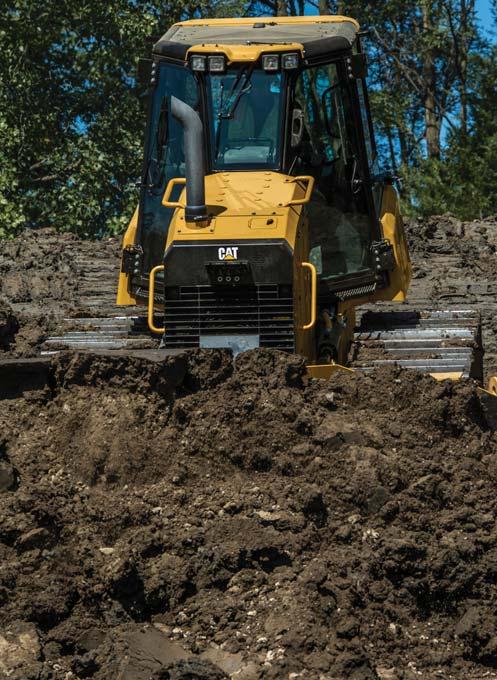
(217, 64)
(290, 61)
(270, 62)
(198, 63)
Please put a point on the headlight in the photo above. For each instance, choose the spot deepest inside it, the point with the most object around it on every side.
(289, 61)
(217, 64)
(198, 63)
(270, 62)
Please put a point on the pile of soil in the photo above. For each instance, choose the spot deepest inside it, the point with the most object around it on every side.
(474, 244)
(246, 521)
(203, 518)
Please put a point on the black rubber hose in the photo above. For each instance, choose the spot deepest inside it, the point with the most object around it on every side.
(194, 159)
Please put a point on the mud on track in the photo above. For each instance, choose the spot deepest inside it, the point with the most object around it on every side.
(204, 519)
(47, 277)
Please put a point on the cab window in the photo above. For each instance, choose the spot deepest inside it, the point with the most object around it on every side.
(245, 114)
(165, 157)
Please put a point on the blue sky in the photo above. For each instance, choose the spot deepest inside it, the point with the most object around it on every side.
(485, 15)
(483, 8)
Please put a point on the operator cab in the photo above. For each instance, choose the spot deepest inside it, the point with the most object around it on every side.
(295, 111)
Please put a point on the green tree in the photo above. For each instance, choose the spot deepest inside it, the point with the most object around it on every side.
(464, 180)
(71, 124)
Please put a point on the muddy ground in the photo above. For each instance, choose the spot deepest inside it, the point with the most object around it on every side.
(206, 519)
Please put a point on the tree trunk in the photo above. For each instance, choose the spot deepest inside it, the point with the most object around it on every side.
(281, 8)
(404, 154)
(465, 10)
(293, 8)
(431, 114)
(391, 148)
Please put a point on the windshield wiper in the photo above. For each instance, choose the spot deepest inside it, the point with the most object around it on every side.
(218, 129)
(241, 85)
(245, 87)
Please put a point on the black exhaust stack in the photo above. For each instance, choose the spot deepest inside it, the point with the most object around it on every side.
(195, 210)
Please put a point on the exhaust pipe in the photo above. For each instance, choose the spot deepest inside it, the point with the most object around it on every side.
(195, 210)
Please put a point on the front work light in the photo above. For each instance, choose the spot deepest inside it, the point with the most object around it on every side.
(270, 62)
(217, 64)
(198, 63)
(289, 61)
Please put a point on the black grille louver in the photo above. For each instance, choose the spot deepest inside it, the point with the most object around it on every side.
(266, 310)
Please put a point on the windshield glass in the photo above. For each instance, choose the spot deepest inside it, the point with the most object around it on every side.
(245, 114)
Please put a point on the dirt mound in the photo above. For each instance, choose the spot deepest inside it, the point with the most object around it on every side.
(37, 267)
(475, 242)
(199, 519)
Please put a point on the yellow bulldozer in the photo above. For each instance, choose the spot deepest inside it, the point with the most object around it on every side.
(265, 216)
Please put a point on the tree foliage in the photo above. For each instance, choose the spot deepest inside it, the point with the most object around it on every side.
(70, 121)
(72, 126)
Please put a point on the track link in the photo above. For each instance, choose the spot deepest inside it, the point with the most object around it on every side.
(444, 343)
(97, 333)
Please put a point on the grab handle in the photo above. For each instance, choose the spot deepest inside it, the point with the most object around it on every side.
(308, 191)
(151, 291)
(314, 288)
(169, 190)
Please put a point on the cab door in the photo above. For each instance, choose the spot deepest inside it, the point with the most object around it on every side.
(164, 159)
(343, 223)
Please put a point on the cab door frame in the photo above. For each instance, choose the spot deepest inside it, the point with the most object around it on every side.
(365, 177)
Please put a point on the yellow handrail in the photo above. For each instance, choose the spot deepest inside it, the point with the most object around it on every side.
(169, 189)
(314, 290)
(151, 291)
(308, 191)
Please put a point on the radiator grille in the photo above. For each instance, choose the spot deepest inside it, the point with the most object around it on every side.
(204, 310)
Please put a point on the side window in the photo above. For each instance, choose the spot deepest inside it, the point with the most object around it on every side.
(165, 157)
(339, 221)
(315, 95)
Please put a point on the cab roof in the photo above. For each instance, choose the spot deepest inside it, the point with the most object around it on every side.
(318, 35)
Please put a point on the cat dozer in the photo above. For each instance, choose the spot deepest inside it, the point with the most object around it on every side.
(266, 216)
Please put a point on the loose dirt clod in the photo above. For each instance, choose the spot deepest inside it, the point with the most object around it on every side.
(9, 326)
(209, 518)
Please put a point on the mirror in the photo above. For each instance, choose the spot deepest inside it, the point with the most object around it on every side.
(386, 175)
(143, 73)
(297, 127)
(358, 65)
